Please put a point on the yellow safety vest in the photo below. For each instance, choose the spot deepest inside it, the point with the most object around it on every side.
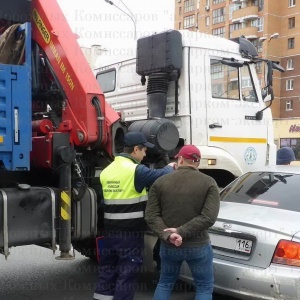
(122, 201)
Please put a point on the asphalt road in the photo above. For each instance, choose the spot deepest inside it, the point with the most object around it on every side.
(33, 273)
(182, 290)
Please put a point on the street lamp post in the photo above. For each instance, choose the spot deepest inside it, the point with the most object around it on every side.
(131, 16)
(272, 36)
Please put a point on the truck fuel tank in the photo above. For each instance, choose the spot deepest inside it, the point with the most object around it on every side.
(27, 215)
(161, 132)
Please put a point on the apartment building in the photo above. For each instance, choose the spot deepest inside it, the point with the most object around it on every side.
(273, 26)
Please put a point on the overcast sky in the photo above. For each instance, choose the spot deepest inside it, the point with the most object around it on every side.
(97, 22)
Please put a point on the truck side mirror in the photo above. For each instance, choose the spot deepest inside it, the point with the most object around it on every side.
(267, 91)
(232, 63)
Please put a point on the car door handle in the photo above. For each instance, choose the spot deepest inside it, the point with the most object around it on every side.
(215, 125)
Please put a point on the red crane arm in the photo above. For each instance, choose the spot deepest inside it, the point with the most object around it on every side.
(53, 34)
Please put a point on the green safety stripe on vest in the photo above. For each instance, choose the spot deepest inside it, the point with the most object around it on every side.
(123, 216)
(125, 201)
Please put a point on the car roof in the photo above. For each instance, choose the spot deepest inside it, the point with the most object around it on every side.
(279, 168)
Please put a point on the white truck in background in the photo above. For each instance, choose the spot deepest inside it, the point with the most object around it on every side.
(207, 86)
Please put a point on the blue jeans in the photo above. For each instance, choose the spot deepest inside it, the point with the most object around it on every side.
(200, 262)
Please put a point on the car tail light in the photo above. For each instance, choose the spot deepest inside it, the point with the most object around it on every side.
(287, 253)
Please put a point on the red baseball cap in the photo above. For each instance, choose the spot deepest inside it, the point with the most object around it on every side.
(190, 152)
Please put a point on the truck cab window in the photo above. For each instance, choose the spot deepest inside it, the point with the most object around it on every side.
(248, 90)
(107, 80)
(224, 80)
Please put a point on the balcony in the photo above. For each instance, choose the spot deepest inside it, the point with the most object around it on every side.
(249, 32)
(239, 1)
(244, 14)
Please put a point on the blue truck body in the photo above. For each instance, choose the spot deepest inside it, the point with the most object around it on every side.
(15, 110)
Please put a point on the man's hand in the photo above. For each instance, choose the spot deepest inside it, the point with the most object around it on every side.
(175, 239)
(173, 230)
(173, 165)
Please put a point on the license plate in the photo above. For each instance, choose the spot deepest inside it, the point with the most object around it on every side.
(243, 245)
(231, 243)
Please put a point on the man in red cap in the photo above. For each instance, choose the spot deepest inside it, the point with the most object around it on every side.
(181, 207)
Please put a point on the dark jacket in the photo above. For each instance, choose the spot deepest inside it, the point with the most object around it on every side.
(144, 177)
(187, 200)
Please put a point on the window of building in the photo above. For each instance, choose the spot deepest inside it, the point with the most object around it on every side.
(292, 22)
(259, 67)
(206, 21)
(257, 44)
(218, 15)
(259, 23)
(189, 21)
(289, 84)
(285, 143)
(291, 43)
(219, 31)
(292, 3)
(179, 25)
(207, 3)
(233, 27)
(189, 5)
(290, 64)
(233, 7)
(180, 10)
(260, 5)
(254, 42)
(289, 105)
(217, 1)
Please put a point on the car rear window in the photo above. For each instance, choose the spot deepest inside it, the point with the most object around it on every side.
(278, 190)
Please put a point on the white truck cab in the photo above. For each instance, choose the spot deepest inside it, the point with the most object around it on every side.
(207, 86)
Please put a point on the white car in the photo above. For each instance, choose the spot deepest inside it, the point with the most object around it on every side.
(256, 238)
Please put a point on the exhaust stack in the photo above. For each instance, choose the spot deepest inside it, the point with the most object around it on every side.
(159, 57)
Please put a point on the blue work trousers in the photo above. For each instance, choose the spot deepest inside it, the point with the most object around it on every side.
(200, 262)
(120, 264)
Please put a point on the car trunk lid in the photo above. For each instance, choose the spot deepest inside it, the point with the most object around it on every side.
(249, 234)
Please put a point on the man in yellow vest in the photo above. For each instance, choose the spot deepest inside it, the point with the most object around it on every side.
(124, 184)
